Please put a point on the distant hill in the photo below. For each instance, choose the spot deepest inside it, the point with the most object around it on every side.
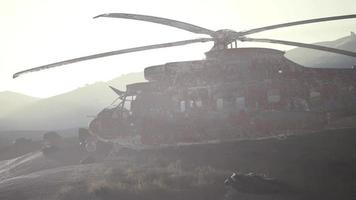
(68, 110)
(11, 101)
(321, 59)
(121, 82)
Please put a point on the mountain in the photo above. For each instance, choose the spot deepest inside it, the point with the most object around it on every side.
(11, 101)
(121, 82)
(68, 110)
(321, 59)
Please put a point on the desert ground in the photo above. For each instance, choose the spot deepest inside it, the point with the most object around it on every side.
(319, 165)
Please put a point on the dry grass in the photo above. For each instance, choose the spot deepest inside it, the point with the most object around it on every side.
(172, 181)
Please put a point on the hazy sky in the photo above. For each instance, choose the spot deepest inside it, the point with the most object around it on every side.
(38, 32)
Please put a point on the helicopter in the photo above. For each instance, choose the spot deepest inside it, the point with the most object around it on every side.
(232, 93)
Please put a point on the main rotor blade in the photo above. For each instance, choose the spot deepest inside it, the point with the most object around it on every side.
(298, 44)
(309, 21)
(160, 20)
(112, 53)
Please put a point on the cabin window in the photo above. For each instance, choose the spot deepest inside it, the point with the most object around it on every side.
(240, 103)
(191, 104)
(199, 103)
(273, 96)
(127, 105)
(182, 106)
(219, 104)
(314, 94)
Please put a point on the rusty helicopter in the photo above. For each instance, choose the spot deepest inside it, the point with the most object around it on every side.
(233, 93)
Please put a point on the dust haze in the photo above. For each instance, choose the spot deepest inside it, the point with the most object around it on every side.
(241, 123)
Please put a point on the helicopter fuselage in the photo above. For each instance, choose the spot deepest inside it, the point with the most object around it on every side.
(239, 92)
